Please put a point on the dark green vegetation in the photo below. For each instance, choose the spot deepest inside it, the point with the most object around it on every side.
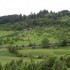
(50, 63)
(43, 18)
(43, 38)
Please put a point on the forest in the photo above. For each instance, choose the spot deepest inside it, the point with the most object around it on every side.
(43, 18)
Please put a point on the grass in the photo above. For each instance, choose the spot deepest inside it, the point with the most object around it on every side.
(45, 52)
(6, 57)
(4, 52)
(4, 33)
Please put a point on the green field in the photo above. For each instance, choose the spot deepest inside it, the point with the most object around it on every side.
(6, 57)
(46, 52)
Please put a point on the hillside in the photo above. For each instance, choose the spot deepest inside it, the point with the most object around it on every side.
(43, 18)
(40, 40)
(34, 36)
(18, 30)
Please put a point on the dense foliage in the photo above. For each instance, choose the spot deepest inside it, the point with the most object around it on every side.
(51, 63)
(43, 18)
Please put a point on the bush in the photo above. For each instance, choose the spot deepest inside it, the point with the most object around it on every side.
(63, 43)
(67, 59)
(23, 46)
(40, 57)
(13, 50)
(47, 64)
(59, 65)
(7, 67)
(19, 55)
(44, 65)
(45, 43)
(30, 45)
(0, 66)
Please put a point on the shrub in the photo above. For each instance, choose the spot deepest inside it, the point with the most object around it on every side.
(67, 60)
(7, 67)
(44, 65)
(30, 44)
(19, 55)
(0, 66)
(12, 50)
(13, 65)
(59, 65)
(45, 43)
(40, 57)
(63, 43)
(23, 46)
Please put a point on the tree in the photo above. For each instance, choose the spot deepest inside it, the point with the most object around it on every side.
(45, 43)
(63, 43)
(48, 64)
(13, 50)
(62, 39)
(20, 17)
(67, 60)
(42, 13)
(14, 66)
(24, 17)
(7, 67)
(0, 66)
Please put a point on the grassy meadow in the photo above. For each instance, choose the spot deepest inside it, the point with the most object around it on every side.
(33, 36)
(36, 54)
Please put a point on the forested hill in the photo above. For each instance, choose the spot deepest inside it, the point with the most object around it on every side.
(43, 18)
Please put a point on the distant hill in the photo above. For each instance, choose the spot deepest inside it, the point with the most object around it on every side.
(43, 18)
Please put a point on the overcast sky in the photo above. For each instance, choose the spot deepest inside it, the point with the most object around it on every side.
(8, 7)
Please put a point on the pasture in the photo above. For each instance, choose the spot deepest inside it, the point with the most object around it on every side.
(37, 54)
(45, 52)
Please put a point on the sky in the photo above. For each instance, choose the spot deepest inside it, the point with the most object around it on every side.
(9, 7)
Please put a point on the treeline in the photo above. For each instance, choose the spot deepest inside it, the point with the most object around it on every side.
(10, 19)
(41, 14)
(50, 63)
(20, 22)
